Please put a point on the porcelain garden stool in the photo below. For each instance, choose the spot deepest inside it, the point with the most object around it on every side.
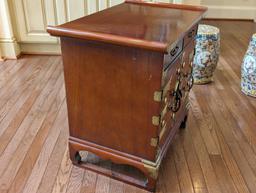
(206, 53)
(248, 71)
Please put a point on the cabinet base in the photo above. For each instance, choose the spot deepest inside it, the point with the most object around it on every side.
(118, 165)
(140, 173)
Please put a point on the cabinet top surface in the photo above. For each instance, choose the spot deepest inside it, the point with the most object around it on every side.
(154, 26)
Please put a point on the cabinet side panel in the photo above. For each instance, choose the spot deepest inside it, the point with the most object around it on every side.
(110, 94)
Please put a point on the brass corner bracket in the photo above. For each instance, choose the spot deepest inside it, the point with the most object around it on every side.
(152, 167)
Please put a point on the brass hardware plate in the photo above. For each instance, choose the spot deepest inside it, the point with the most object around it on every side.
(152, 167)
(153, 172)
(158, 96)
(156, 120)
(154, 142)
(167, 87)
(183, 57)
(177, 86)
(164, 111)
(163, 123)
(187, 105)
(173, 116)
(191, 56)
(165, 99)
(162, 131)
(171, 47)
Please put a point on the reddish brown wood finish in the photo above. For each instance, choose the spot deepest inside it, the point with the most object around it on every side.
(110, 93)
(114, 64)
(134, 24)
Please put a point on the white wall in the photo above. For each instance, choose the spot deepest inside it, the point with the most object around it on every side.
(33, 16)
(8, 43)
(238, 3)
(192, 2)
(233, 9)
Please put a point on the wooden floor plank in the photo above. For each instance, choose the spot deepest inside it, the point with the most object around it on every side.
(226, 183)
(32, 121)
(183, 172)
(28, 130)
(194, 166)
(75, 181)
(30, 159)
(12, 94)
(57, 136)
(62, 179)
(168, 181)
(54, 162)
(227, 124)
(102, 184)
(9, 72)
(20, 109)
(203, 156)
(116, 186)
(89, 182)
(29, 71)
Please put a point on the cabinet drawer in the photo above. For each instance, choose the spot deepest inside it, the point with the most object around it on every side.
(186, 67)
(170, 57)
(171, 79)
(170, 72)
(190, 35)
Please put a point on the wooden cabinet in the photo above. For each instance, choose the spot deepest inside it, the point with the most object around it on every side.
(127, 74)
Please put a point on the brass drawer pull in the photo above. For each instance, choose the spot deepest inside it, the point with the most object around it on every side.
(174, 51)
(190, 34)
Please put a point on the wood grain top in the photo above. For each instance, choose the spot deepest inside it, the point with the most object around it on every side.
(154, 26)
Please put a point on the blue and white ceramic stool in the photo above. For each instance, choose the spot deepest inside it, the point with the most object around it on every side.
(206, 53)
(248, 77)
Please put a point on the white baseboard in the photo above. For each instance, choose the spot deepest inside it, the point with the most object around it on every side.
(231, 12)
(9, 48)
(40, 48)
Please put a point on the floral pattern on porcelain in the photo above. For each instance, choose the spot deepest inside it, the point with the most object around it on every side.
(248, 70)
(206, 54)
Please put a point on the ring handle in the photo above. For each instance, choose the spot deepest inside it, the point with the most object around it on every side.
(177, 95)
(175, 105)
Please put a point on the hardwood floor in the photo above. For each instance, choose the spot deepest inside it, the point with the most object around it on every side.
(215, 154)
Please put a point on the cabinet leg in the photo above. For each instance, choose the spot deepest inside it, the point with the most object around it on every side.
(184, 123)
(74, 155)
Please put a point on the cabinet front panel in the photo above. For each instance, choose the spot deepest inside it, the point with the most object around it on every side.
(177, 81)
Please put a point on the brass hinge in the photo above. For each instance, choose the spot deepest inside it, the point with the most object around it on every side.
(173, 116)
(156, 120)
(162, 132)
(186, 98)
(153, 172)
(171, 47)
(187, 105)
(154, 141)
(158, 96)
